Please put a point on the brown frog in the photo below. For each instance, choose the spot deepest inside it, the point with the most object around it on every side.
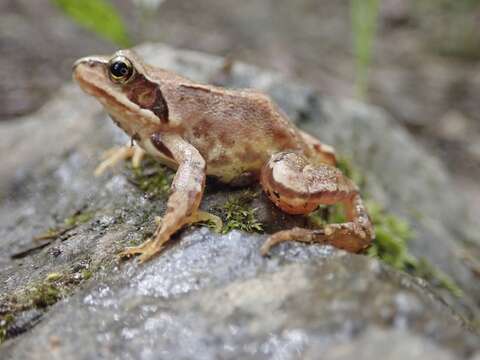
(238, 136)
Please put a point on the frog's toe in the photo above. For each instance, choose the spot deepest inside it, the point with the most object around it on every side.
(203, 216)
(137, 157)
(295, 234)
(112, 157)
(217, 223)
(149, 254)
(130, 251)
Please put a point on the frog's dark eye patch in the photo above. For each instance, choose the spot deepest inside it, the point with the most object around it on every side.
(120, 69)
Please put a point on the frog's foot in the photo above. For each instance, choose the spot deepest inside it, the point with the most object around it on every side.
(347, 236)
(295, 234)
(117, 154)
(203, 216)
(145, 250)
(154, 246)
(297, 187)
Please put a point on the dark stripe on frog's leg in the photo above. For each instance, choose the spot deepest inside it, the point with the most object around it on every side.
(147, 95)
(156, 140)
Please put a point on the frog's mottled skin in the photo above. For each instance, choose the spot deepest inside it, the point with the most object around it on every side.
(238, 136)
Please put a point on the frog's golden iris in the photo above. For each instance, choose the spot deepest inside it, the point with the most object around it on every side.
(120, 69)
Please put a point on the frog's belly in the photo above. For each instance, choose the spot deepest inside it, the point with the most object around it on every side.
(229, 168)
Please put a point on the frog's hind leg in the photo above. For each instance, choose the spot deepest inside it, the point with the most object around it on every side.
(117, 154)
(297, 187)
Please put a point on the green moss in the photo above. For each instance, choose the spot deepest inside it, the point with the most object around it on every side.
(238, 214)
(326, 215)
(5, 322)
(392, 236)
(424, 269)
(53, 277)
(42, 294)
(78, 218)
(345, 165)
(87, 274)
(391, 246)
(152, 178)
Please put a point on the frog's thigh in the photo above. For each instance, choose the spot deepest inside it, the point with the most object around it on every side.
(297, 187)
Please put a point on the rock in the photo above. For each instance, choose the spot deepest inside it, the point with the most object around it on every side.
(301, 300)
(212, 295)
(378, 344)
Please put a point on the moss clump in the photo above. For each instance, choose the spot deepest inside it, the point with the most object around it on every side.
(5, 322)
(324, 215)
(424, 269)
(44, 295)
(86, 274)
(238, 215)
(53, 277)
(152, 178)
(78, 218)
(345, 165)
(392, 236)
(391, 246)
(41, 294)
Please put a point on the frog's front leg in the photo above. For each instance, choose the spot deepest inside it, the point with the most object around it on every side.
(297, 187)
(117, 154)
(186, 194)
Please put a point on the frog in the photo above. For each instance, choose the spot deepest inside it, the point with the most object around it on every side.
(238, 136)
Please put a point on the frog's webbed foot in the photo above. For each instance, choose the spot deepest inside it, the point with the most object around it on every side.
(117, 154)
(153, 246)
(297, 187)
(295, 234)
(143, 250)
(347, 236)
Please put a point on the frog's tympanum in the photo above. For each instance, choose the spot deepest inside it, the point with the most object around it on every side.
(237, 136)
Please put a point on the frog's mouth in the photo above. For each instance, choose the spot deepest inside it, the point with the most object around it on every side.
(91, 74)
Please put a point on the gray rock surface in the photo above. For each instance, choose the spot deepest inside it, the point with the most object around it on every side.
(211, 295)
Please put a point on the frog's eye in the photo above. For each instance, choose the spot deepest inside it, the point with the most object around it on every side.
(120, 69)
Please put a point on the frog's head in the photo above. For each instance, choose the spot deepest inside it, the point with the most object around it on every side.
(122, 84)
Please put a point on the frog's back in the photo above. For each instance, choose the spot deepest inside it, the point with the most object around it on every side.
(236, 131)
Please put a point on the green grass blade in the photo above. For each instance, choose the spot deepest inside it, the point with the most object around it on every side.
(364, 14)
(99, 16)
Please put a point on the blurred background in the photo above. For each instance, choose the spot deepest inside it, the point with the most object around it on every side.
(418, 59)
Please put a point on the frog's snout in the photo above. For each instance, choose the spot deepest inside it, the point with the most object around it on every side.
(85, 61)
(90, 61)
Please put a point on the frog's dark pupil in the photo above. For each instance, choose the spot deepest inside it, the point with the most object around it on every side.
(119, 69)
